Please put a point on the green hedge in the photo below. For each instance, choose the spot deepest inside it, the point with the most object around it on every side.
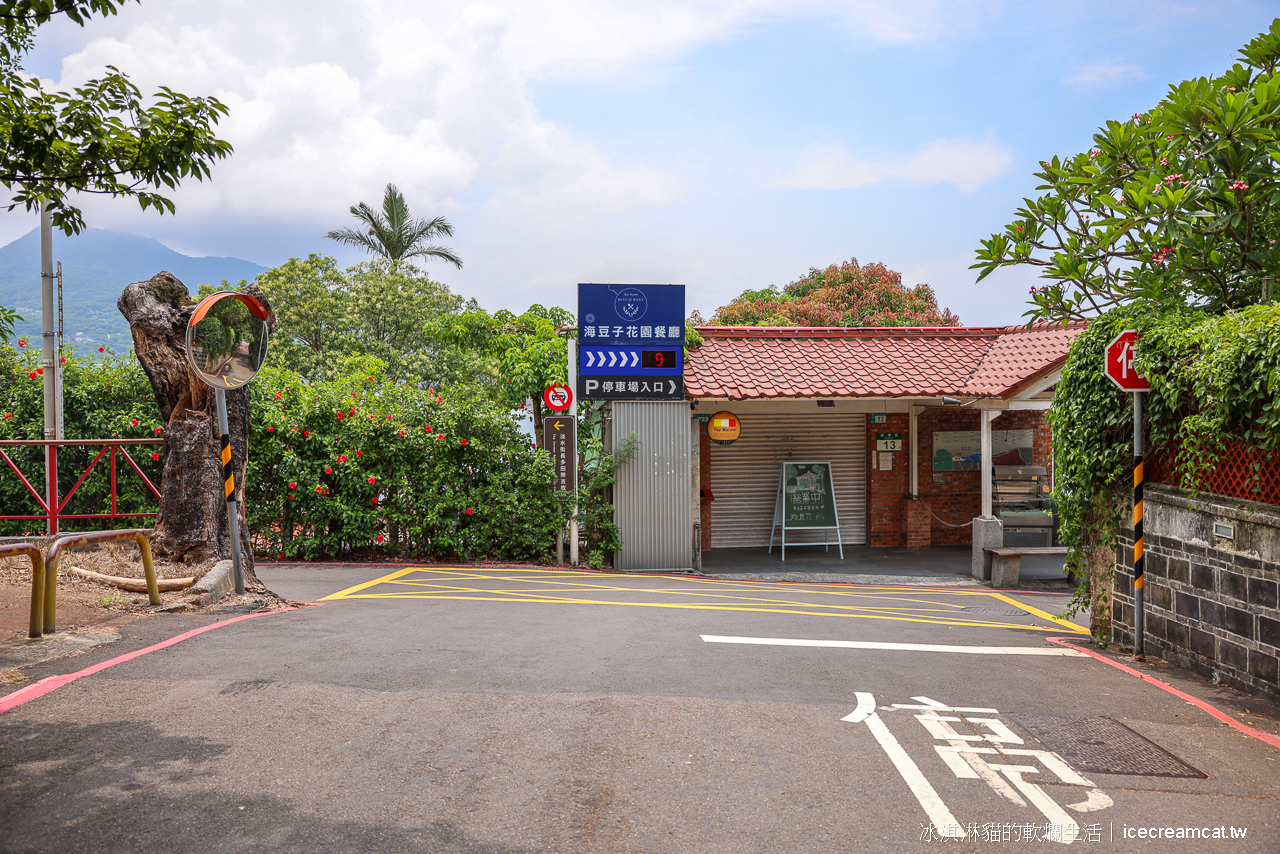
(354, 466)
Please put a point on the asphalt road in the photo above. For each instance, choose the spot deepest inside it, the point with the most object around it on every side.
(506, 710)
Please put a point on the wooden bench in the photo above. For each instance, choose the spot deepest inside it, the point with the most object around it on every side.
(1002, 565)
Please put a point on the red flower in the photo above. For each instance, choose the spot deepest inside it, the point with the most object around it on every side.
(306, 433)
(379, 538)
(431, 391)
(328, 470)
(469, 511)
(342, 458)
(320, 489)
(8, 415)
(159, 431)
(40, 371)
(22, 342)
(372, 480)
(277, 395)
(439, 400)
(271, 429)
(440, 438)
(388, 417)
(64, 360)
(293, 485)
(358, 454)
(353, 411)
(290, 497)
(375, 499)
(133, 421)
(155, 456)
(102, 349)
(31, 375)
(353, 394)
(464, 441)
(281, 556)
(401, 433)
(339, 416)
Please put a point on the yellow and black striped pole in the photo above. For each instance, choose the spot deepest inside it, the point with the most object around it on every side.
(229, 485)
(1139, 583)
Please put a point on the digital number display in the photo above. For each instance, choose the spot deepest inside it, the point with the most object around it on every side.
(657, 358)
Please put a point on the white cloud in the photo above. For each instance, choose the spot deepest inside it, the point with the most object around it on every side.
(966, 163)
(1104, 74)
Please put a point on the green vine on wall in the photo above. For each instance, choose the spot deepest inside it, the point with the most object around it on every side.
(1215, 379)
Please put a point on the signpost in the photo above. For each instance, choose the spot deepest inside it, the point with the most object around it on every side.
(630, 342)
(560, 438)
(226, 346)
(1119, 369)
(806, 499)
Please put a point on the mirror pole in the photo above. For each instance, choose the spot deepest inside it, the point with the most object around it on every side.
(229, 483)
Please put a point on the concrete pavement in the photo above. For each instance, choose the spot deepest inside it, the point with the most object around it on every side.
(510, 710)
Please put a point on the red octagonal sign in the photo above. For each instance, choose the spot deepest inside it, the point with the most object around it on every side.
(1119, 367)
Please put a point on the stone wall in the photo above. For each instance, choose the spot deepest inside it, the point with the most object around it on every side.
(1211, 600)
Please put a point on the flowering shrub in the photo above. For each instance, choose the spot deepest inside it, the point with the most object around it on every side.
(376, 480)
(382, 479)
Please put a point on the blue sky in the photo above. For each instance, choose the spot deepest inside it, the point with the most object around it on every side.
(724, 145)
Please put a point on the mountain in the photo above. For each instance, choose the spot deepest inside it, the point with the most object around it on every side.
(96, 266)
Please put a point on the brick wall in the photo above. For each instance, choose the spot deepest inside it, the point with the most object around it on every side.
(1211, 602)
(886, 488)
(958, 498)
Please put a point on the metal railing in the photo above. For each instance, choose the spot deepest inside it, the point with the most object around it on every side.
(44, 572)
(50, 503)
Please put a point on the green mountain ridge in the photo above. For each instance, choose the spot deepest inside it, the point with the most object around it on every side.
(96, 266)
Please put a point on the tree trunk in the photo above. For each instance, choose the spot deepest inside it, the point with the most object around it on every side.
(192, 525)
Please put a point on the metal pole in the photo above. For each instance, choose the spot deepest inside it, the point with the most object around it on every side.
(229, 483)
(1139, 582)
(985, 418)
(48, 362)
(59, 393)
(573, 413)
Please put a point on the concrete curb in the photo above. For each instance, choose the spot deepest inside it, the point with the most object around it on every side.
(218, 582)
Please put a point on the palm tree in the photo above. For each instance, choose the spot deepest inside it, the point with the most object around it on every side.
(394, 234)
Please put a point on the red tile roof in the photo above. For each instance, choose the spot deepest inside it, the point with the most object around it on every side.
(744, 362)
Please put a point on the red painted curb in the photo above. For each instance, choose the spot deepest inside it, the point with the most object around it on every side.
(1265, 737)
(52, 683)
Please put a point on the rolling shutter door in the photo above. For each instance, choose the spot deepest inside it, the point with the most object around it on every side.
(744, 475)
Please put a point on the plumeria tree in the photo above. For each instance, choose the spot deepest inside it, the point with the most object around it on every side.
(1178, 205)
(848, 294)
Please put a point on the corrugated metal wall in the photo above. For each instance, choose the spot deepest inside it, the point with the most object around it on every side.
(651, 499)
(744, 475)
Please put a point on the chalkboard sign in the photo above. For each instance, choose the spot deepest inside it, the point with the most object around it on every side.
(806, 499)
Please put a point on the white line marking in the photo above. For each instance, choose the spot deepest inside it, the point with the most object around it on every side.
(937, 811)
(901, 647)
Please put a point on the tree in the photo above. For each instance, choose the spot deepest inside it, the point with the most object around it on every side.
(102, 138)
(394, 234)
(1179, 205)
(529, 349)
(847, 294)
(377, 308)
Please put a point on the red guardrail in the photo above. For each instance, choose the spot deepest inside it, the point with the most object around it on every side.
(50, 503)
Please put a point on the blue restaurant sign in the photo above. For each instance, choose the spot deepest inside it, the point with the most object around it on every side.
(630, 342)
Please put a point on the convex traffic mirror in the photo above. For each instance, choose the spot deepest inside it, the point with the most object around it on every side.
(227, 339)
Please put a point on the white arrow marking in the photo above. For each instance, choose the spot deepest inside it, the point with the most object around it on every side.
(591, 359)
(635, 358)
(673, 387)
(612, 358)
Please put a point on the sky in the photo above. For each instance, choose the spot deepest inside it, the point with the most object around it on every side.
(722, 144)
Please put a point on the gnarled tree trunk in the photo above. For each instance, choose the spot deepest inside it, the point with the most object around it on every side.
(192, 525)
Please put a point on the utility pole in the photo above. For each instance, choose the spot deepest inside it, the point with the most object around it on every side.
(49, 363)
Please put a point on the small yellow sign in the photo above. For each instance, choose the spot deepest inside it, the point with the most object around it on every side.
(724, 428)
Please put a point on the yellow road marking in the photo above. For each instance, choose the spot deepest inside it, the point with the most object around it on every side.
(898, 603)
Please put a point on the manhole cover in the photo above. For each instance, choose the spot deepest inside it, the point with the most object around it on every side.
(996, 612)
(1103, 745)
